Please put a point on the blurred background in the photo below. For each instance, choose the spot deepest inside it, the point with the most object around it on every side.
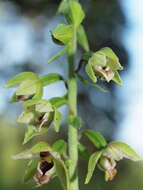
(26, 45)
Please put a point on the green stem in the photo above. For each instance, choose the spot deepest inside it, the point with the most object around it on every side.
(72, 131)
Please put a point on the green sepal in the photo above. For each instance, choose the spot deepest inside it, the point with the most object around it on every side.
(32, 132)
(44, 106)
(113, 60)
(41, 106)
(118, 150)
(27, 87)
(117, 79)
(26, 117)
(30, 170)
(89, 70)
(98, 59)
(31, 102)
(93, 160)
(16, 80)
(31, 153)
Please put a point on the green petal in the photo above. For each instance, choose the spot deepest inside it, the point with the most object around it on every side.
(16, 80)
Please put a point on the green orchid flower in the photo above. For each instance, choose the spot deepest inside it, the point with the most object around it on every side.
(107, 158)
(104, 64)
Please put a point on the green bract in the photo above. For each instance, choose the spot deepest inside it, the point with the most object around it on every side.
(96, 138)
(82, 38)
(75, 121)
(104, 64)
(106, 159)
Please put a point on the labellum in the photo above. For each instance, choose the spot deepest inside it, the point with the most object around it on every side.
(108, 166)
(45, 171)
(104, 72)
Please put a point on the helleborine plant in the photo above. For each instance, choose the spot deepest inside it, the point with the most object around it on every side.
(48, 161)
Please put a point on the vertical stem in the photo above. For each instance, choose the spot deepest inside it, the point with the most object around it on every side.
(72, 132)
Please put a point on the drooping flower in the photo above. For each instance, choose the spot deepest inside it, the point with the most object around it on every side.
(104, 64)
(45, 169)
(45, 163)
(28, 85)
(38, 113)
(107, 158)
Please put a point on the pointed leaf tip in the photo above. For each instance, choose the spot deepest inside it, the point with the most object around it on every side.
(93, 160)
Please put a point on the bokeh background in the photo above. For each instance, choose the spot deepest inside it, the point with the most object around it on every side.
(26, 45)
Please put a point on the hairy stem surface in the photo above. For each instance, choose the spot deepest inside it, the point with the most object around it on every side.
(72, 132)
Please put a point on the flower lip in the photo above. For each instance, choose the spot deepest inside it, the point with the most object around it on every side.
(45, 166)
(111, 174)
(45, 171)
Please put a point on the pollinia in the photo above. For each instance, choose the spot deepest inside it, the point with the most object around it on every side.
(47, 161)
